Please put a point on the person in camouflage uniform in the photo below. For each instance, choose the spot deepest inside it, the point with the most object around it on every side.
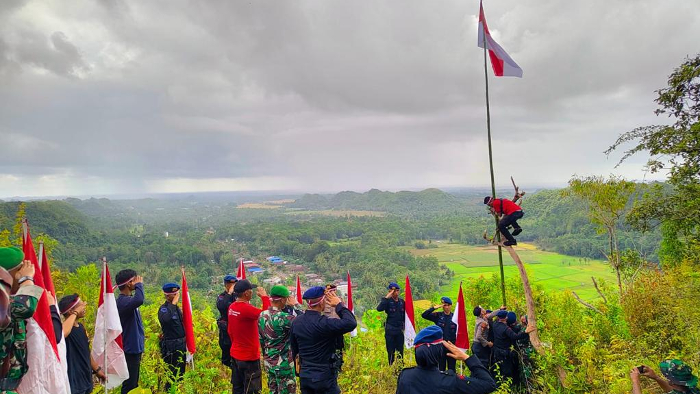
(14, 310)
(525, 351)
(679, 378)
(274, 327)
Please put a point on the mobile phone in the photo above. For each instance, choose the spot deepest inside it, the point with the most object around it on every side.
(640, 369)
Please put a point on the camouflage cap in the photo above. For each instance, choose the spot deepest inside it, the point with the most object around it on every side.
(678, 372)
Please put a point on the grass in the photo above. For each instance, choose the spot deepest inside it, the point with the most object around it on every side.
(551, 270)
(337, 213)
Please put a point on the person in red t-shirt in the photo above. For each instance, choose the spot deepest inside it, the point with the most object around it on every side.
(509, 212)
(246, 375)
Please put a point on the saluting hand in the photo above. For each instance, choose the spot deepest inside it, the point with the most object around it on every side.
(260, 291)
(390, 294)
(26, 269)
(454, 351)
(332, 299)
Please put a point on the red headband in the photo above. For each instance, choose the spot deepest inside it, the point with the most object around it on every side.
(320, 300)
(71, 306)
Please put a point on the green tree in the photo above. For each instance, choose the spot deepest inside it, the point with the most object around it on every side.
(606, 199)
(674, 148)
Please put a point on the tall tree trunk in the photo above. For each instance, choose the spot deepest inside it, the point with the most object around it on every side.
(531, 314)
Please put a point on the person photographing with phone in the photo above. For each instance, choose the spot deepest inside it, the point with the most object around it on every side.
(677, 377)
(395, 309)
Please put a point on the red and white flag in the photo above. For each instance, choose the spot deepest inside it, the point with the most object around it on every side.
(241, 269)
(48, 284)
(409, 333)
(107, 345)
(45, 374)
(460, 319)
(300, 301)
(353, 333)
(503, 65)
(187, 316)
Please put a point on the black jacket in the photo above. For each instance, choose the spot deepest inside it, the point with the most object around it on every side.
(449, 328)
(418, 380)
(395, 314)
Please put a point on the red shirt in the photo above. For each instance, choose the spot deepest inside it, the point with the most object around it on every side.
(505, 206)
(243, 329)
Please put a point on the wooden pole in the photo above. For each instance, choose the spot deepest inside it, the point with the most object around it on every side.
(493, 182)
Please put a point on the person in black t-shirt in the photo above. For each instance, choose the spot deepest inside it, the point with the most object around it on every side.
(173, 348)
(81, 366)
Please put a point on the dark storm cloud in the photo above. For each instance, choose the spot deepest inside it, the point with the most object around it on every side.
(128, 96)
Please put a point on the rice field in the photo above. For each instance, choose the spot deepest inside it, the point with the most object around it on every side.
(551, 270)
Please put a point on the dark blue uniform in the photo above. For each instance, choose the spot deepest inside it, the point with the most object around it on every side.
(503, 355)
(172, 344)
(222, 303)
(314, 339)
(394, 325)
(449, 333)
(420, 380)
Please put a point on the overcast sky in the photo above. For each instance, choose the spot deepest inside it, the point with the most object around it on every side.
(114, 96)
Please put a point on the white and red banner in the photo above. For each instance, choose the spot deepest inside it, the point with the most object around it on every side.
(503, 65)
(241, 270)
(107, 346)
(460, 319)
(409, 333)
(187, 316)
(48, 285)
(300, 301)
(45, 374)
(353, 333)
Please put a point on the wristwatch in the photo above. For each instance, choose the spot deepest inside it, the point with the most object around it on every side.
(97, 370)
(24, 279)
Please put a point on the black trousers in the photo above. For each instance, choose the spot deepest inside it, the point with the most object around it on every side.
(394, 344)
(509, 220)
(225, 345)
(314, 386)
(176, 366)
(246, 376)
(133, 364)
(483, 353)
(447, 362)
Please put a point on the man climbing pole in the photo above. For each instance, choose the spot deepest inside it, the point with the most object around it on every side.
(509, 213)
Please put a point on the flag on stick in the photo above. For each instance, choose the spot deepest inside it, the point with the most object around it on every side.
(503, 65)
(241, 270)
(300, 301)
(460, 319)
(45, 374)
(410, 321)
(187, 316)
(350, 304)
(107, 347)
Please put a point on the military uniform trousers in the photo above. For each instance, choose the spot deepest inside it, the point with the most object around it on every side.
(281, 380)
(504, 363)
(174, 353)
(394, 343)
(322, 382)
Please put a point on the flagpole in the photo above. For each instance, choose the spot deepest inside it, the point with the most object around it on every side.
(493, 182)
(104, 301)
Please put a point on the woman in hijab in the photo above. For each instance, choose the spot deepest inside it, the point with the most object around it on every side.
(426, 378)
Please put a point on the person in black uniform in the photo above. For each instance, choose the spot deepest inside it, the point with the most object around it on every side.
(443, 319)
(503, 340)
(223, 301)
(173, 348)
(313, 341)
(81, 366)
(426, 378)
(395, 309)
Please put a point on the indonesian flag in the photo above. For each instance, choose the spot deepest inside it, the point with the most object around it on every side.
(241, 270)
(460, 319)
(45, 374)
(503, 65)
(300, 301)
(409, 333)
(48, 284)
(107, 347)
(187, 316)
(353, 333)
